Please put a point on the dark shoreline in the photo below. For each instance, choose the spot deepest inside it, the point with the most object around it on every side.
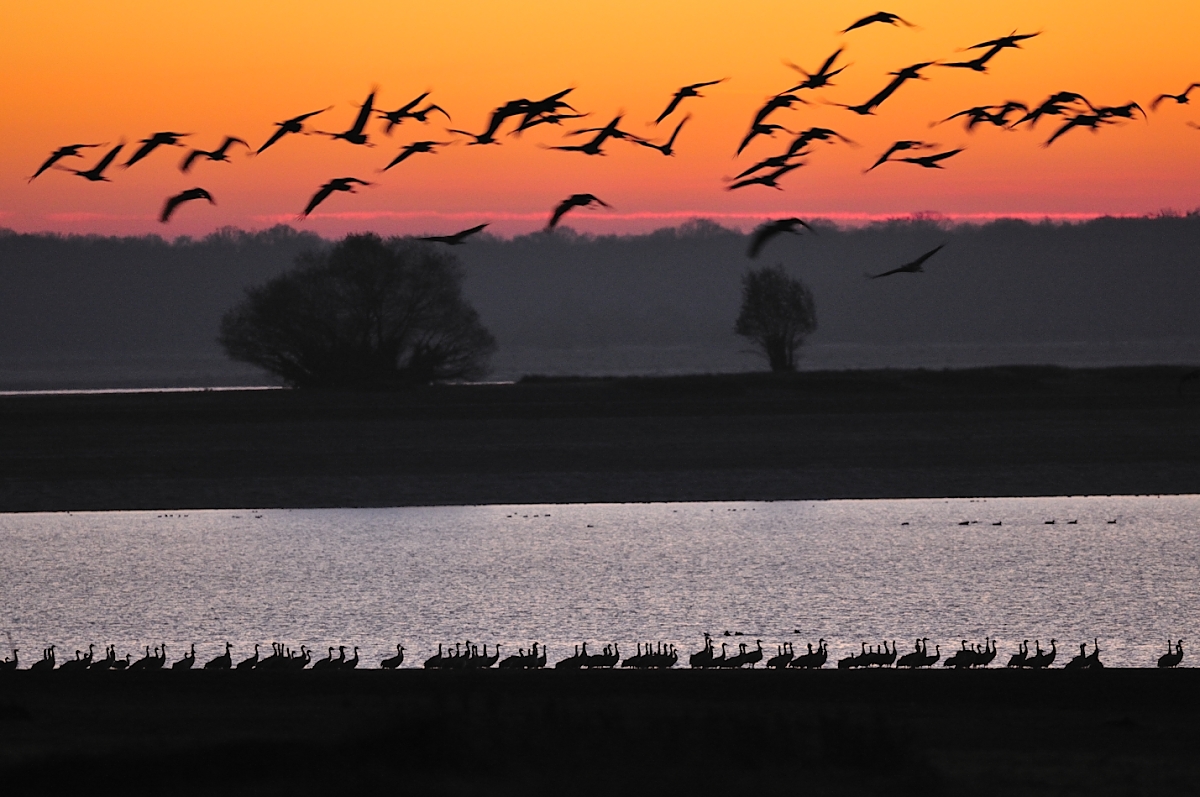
(1020, 431)
(999, 731)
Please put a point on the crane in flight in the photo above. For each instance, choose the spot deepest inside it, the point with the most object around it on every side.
(821, 77)
(455, 239)
(355, 134)
(293, 125)
(770, 179)
(414, 148)
(1055, 105)
(975, 64)
(96, 173)
(931, 161)
(337, 184)
(669, 147)
(773, 228)
(996, 115)
(1092, 121)
(154, 142)
(882, 17)
(899, 146)
(911, 267)
(610, 130)
(220, 154)
(760, 129)
(410, 111)
(683, 93)
(1180, 99)
(69, 151)
(574, 201)
(180, 198)
(499, 116)
(900, 77)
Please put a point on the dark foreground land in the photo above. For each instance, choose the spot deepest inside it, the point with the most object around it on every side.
(988, 432)
(1127, 732)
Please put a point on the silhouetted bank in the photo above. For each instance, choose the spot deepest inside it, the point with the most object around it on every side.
(607, 732)
(988, 432)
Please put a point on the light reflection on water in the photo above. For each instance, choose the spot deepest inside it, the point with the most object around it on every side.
(848, 571)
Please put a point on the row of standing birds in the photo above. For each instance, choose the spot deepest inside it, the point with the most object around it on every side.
(1076, 111)
(649, 656)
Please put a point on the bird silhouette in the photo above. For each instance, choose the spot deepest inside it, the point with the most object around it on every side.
(1012, 40)
(912, 267)
(154, 142)
(821, 77)
(593, 147)
(498, 117)
(1180, 99)
(455, 239)
(1171, 658)
(336, 184)
(668, 148)
(760, 129)
(996, 115)
(1058, 104)
(883, 17)
(545, 111)
(683, 94)
(410, 111)
(221, 153)
(574, 201)
(96, 173)
(773, 162)
(805, 137)
(976, 64)
(293, 125)
(773, 228)
(769, 180)
(931, 161)
(1089, 120)
(69, 151)
(355, 134)
(413, 149)
(222, 662)
(1120, 111)
(546, 119)
(899, 78)
(898, 146)
(778, 102)
(395, 661)
(180, 198)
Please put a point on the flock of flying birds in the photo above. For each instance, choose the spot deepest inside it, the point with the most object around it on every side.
(1074, 111)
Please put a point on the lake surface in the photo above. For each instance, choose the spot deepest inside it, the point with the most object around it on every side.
(848, 571)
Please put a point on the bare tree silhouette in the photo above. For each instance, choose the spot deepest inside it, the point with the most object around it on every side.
(777, 315)
(365, 313)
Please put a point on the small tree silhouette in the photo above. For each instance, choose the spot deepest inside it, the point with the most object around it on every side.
(364, 313)
(777, 314)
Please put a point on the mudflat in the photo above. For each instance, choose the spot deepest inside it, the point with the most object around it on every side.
(1021, 431)
(993, 732)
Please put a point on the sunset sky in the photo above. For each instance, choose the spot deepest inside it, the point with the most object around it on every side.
(85, 72)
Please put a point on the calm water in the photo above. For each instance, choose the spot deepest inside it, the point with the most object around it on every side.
(848, 571)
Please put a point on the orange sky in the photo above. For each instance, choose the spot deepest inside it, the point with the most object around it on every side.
(89, 72)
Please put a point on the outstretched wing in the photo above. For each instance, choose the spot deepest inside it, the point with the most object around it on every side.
(190, 159)
(142, 152)
(678, 98)
(169, 207)
(761, 236)
(280, 133)
(53, 159)
(562, 208)
(317, 198)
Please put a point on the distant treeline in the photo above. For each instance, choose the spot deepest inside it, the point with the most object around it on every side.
(1103, 281)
